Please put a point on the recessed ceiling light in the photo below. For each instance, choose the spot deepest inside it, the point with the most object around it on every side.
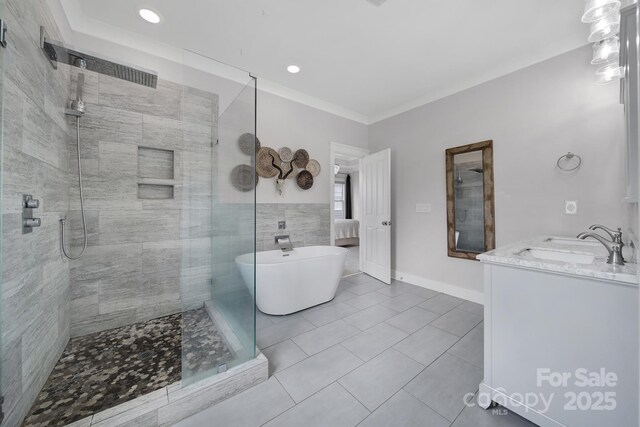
(293, 69)
(149, 16)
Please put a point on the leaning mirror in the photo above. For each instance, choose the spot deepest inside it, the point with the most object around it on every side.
(470, 200)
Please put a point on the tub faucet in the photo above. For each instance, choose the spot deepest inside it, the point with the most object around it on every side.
(285, 243)
(614, 248)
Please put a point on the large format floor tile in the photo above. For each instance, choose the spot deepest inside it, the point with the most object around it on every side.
(326, 336)
(282, 331)
(328, 313)
(367, 300)
(376, 355)
(370, 317)
(283, 355)
(364, 286)
(380, 378)
(441, 303)
(404, 410)
(470, 348)
(413, 319)
(250, 408)
(403, 302)
(472, 307)
(427, 344)
(307, 377)
(332, 406)
(444, 385)
(368, 344)
(457, 322)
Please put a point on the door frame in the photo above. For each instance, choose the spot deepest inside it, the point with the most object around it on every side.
(337, 149)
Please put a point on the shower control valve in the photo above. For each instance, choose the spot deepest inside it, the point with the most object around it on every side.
(32, 222)
(30, 202)
(28, 221)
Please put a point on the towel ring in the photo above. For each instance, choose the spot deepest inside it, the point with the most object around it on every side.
(568, 157)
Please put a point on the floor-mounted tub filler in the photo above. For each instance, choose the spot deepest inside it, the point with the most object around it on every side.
(296, 280)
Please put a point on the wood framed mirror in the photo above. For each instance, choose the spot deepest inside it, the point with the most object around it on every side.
(470, 200)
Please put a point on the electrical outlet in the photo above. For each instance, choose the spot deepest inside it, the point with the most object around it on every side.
(282, 225)
(571, 207)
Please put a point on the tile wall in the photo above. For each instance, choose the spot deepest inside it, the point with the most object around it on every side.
(35, 280)
(147, 161)
(307, 224)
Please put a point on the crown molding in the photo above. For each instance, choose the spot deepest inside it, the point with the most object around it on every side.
(468, 84)
(75, 25)
(70, 11)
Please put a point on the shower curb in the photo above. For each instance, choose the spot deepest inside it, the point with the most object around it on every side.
(173, 403)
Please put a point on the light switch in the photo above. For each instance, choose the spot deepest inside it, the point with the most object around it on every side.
(423, 207)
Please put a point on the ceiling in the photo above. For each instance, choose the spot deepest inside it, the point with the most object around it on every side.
(371, 60)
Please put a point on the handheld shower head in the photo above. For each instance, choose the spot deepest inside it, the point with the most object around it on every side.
(78, 106)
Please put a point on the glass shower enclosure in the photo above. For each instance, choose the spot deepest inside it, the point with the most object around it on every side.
(155, 173)
(230, 287)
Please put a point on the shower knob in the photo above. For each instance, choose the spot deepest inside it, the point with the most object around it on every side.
(31, 203)
(32, 222)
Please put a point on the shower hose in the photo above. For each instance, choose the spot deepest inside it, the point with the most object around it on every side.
(84, 221)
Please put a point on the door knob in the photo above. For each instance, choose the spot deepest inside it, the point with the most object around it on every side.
(386, 223)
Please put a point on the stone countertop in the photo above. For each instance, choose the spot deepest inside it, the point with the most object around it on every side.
(518, 255)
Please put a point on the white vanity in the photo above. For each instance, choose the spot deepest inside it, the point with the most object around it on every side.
(561, 334)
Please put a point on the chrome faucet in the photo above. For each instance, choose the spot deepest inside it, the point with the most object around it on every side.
(613, 247)
(616, 235)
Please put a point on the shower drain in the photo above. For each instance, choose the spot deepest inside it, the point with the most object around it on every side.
(145, 355)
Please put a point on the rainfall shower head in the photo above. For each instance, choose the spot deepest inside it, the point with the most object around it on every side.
(56, 52)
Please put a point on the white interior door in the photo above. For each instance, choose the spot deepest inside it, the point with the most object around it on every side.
(376, 215)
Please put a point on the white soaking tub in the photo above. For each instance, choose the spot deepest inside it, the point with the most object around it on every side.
(306, 277)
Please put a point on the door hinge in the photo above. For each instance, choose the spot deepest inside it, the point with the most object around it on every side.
(3, 33)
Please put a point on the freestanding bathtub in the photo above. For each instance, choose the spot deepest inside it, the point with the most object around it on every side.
(308, 276)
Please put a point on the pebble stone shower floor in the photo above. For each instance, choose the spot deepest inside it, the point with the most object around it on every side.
(105, 369)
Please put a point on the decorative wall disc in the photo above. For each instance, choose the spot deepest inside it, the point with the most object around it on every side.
(301, 158)
(314, 167)
(248, 142)
(305, 180)
(242, 177)
(264, 163)
(286, 155)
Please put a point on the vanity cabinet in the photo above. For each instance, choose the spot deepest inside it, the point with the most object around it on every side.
(629, 95)
(546, 332)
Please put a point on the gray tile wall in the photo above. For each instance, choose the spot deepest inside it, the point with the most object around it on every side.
(307, 224)
(146, 256)
(35, 278)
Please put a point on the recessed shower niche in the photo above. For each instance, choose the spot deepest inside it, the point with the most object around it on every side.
(156, 173)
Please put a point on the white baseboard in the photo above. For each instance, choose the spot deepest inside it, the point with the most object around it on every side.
(434, 285)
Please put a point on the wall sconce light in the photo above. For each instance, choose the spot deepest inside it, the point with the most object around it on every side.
(595, 10)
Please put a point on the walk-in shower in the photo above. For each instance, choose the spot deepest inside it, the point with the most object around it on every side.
(128, 289)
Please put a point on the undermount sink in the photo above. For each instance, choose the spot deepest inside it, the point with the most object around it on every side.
(572, 241)
(563, 256)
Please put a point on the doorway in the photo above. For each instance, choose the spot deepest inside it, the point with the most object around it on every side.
(346, 203)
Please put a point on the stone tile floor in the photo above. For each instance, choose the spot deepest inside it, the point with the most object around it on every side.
(102, 370)
(376, 355)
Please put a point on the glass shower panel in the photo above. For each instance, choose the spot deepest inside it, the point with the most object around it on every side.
(2, 54)
(218, 293)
